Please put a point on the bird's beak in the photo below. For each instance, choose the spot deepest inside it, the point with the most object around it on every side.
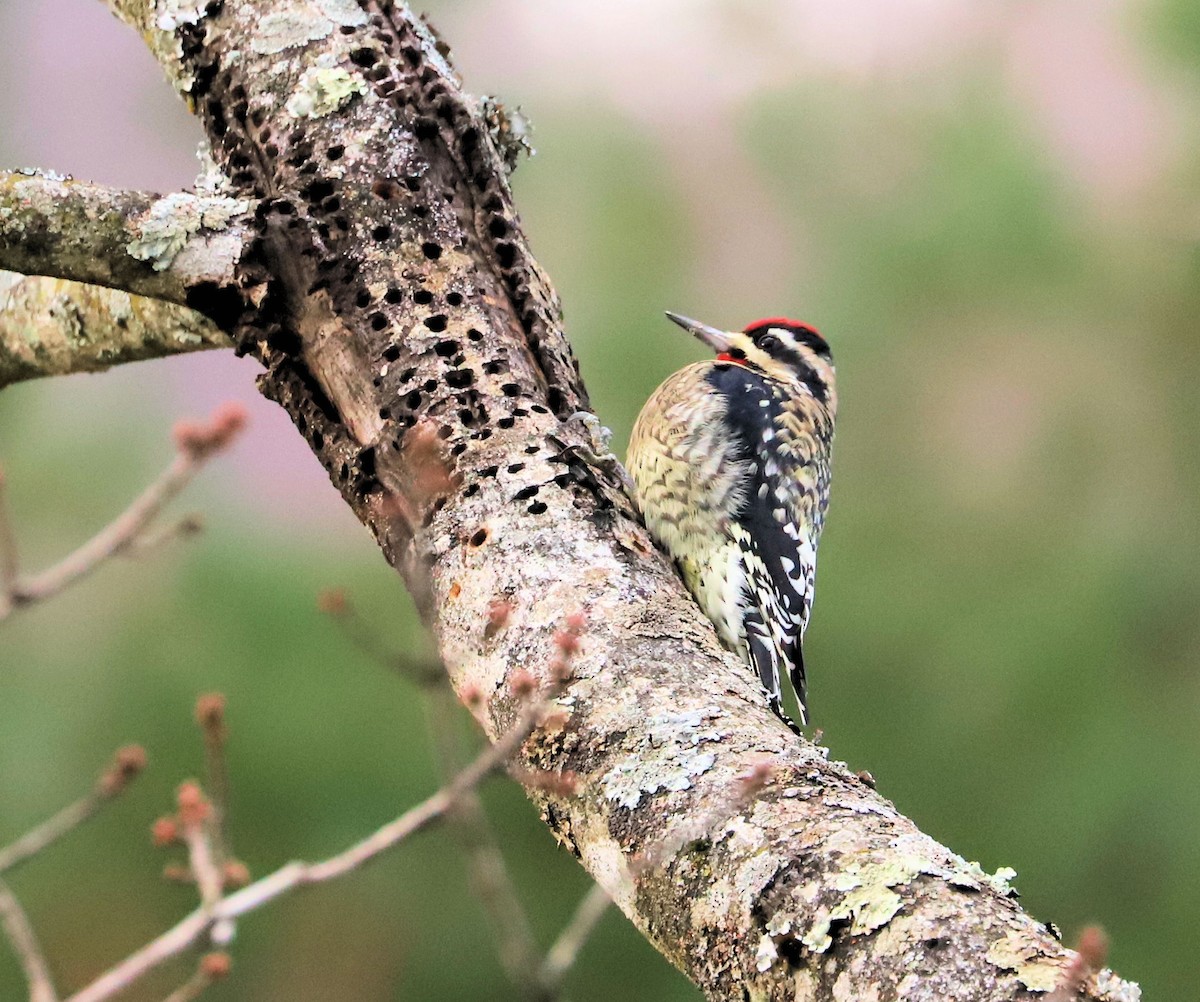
(717, 340)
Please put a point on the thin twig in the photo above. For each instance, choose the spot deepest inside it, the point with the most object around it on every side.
(299, 874)
(210, 715)
(212, 967)
(126, 764)
(362, 635)
(25, 945)
(196, 445)
(155, 538)
(490, 878)
(562, 955)
(190, 990)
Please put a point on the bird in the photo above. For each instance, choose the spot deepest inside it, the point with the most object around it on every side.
(730, 464)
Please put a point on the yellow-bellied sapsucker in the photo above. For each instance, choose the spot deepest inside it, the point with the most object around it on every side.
(730, 463)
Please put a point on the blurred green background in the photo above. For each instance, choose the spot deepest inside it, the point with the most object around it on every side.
(993, 212)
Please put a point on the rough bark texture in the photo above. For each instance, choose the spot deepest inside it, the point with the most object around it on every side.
(51, 327)
(160, 246)
(392, 299)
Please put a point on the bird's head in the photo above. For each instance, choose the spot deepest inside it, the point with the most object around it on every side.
(777, 347)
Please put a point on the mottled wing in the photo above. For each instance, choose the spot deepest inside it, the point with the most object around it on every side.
(774, 527)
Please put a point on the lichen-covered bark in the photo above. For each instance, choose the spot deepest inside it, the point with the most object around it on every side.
(161, 246)
(392, 299)
(51, 327)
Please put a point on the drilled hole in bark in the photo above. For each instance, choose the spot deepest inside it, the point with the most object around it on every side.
(430, 385)
(460, 379)
(516, 468)
(431, 250)
(271, 150)
(506, 422)
(536, 508)
(525, 493)
(471, 491)
(381, 232)
(420, 211)
(390, 354)
(489, 471)
(458, 449)
(554, 398)
(445, 349)
(318, 190)
(407, 374)
(531, 450)
(510, 389)
(563, 479)
(483, 435)
(425, 128)
(422, 297)
(498, 227)
(412, 182)
(393, 296)
(413, 400)
(385, 189)
(335, 151)
(479, 538)
(364, 57)
(347, 29)
(445, 431)
(331, 204)
(474, 335)
(379, 321)
(436, 323)
(506, 254)
(318, 441)
(363, 299)
(454, 299)
(495, 367)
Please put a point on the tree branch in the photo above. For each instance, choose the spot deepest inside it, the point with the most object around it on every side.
(226, 910)
(51, 327)
(162, 247)
(396, 302)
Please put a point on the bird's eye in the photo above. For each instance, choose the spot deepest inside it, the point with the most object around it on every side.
(768, 342)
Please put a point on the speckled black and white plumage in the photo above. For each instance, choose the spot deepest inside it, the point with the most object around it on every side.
(731, 462)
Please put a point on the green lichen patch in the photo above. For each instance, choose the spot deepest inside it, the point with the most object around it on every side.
(668, 758)
(162, 232)
(322, 90)
(1020, 952)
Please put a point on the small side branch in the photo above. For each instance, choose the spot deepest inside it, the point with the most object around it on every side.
(196, 445)
(25, 945)
(150, 245)
(201, 922)
(126, 765)
(565, 951)
(52, 327)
